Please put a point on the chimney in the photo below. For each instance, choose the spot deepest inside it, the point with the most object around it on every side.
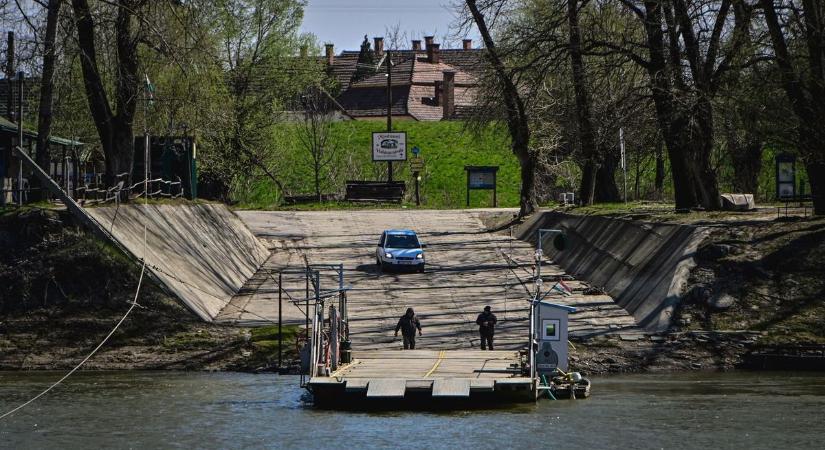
(439, 91)
(330, 54)
(416, 45)
(432, 53)
(449, 94)
(468, 44)
(428, 42)
(379, 46)
(304, 51)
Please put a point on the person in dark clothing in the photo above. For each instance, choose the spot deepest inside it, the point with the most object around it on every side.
(407, 324)
(486, 327)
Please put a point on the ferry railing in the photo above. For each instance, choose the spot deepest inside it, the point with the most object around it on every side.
(324, 334)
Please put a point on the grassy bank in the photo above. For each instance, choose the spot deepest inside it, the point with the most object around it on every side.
(445, 146)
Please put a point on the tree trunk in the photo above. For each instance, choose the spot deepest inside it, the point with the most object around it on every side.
(659, 180)
(317, 168)
(747, 165)
(528, 183)
(671, 122)
(517, 121)
(115, 129)
(587, 140)
(45, 109)
(587, 183)
(704, 177)
(816, 176)
(606, 190)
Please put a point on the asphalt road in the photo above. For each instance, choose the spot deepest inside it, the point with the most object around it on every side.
(467, 268)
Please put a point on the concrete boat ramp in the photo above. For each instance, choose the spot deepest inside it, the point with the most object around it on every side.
(468, 267)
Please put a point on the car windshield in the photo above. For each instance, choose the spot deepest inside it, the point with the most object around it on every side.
(401, 241)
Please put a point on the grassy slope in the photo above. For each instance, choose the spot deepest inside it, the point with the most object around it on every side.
(445, 146)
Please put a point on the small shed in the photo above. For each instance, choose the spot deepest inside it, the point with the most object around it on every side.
(63, 167)
(550, 331)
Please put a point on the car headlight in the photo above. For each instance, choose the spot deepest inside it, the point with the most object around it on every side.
(419, 256)
(387, 255)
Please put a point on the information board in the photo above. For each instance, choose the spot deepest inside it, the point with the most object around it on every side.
(785, 176)
(482, 180)
(389, 146)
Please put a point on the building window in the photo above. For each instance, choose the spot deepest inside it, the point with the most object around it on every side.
(550, 329)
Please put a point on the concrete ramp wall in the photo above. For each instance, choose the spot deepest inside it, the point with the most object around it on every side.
(202, 253)
(643, 266)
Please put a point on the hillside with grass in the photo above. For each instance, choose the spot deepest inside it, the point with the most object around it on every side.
(445, 146)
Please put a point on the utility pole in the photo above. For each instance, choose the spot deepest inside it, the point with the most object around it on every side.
(624, 164)
(389, 108)
(19, 136)
(9, 74)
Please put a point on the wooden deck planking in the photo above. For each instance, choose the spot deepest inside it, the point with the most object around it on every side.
(425, 364)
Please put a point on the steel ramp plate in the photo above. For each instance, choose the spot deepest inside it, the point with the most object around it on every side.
(451, 387)
(392, 388)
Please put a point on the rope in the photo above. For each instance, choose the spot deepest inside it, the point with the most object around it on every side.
(105, 339)
(79, 365)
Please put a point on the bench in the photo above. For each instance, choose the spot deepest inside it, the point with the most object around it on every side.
(375, 191)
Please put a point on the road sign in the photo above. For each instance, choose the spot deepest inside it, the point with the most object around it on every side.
(388, 146)
(416, 151)
(416, 164)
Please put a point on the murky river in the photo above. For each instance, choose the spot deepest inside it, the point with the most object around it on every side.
(230, 410)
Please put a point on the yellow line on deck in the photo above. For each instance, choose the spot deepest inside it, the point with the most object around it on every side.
(435, 366)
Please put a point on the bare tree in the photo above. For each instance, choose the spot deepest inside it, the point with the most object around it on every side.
(518, 122)
(315, 134)
(114, 123)
(803, 78)
(46, 106)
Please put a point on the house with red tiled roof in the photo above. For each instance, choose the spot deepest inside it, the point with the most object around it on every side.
(428, 84)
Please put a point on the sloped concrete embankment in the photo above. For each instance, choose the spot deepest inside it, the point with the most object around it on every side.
(643, 266)
(203, 254)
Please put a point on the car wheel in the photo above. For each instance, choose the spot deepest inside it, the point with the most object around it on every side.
(379, 266)
(421, 269)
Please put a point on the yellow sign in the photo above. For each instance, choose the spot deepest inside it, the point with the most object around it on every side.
(416, 164)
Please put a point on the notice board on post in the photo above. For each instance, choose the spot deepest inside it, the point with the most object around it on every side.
(389, 146)
(785, 176)
(481, 177)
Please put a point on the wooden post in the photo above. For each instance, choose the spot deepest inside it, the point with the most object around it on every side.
(468, 188)
(417, 197)
(495, 189)
(20, 137)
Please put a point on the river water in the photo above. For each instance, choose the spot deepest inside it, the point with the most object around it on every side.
(233, 410)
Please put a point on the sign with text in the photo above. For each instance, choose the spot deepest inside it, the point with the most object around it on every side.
(416, 164)
(482, 179)
(389, 146)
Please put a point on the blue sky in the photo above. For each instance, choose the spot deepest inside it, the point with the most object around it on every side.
(345, 22)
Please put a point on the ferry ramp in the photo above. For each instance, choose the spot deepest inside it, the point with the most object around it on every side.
(468, 267)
